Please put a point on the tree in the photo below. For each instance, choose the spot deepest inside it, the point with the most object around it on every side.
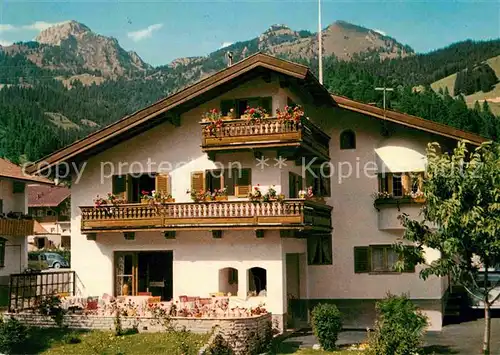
(462, 194)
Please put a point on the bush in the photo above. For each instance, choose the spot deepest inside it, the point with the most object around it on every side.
(72, 338)
(326, 324)
(399, 327)
(13, 335)
(218, 347)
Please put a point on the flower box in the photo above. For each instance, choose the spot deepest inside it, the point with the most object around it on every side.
(220, 198)
(145, 201)
(170, 200)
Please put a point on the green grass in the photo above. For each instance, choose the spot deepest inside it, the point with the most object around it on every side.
(51, 342)
(293, 348)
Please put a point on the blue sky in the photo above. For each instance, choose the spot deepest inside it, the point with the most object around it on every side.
(160, 31)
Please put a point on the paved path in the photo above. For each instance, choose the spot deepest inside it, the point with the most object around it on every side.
(463, 338)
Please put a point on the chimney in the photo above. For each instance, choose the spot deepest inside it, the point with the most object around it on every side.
(229, 56)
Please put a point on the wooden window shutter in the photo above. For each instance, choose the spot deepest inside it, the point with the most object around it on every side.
(229, 177)
(162, 184)
(119, 188)
(361, 260)
(325, 182)
(292, 185)
(406, 183)
(243, 182)
(197, 180)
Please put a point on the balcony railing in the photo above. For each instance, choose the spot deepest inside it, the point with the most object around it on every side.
(266, 133)
(289, 214)
(16, 227)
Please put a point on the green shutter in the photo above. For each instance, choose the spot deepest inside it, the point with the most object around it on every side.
(292, 185)
(361, 259)
(267, 104)
(325, 182)
(119, 184)
(229, 180)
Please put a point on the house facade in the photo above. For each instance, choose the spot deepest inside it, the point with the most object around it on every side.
(15, 224)
(50, 207)
(333, 184)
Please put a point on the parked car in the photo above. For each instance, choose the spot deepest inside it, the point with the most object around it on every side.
(37, 262)
(56, 261)
(41, 261)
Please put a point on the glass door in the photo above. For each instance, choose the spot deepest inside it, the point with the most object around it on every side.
(125, 273)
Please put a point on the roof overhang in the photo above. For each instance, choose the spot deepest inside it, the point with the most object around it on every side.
(408, 120)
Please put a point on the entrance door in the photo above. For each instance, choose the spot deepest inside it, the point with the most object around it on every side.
(147, 273)
(295, 290)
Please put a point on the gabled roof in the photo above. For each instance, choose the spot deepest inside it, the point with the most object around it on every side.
(217, 83)
(407, 120)
(47, 196)
(15, 172)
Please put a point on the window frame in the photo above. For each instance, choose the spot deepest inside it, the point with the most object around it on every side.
(409, 180)
(369, 252)
(343, 143)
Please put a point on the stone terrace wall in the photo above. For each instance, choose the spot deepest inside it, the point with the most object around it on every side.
(244, 335)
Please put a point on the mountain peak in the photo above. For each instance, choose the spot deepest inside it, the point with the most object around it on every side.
(54, 35)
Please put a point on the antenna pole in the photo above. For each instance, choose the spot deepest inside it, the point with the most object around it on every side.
(320, 45)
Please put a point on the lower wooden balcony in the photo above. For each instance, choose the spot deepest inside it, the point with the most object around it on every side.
(16, 227)
(290, 214)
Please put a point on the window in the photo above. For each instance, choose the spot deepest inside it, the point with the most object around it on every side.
(240, 105)
(18, 187)
(238, 182)
(50, 213)
(2, 251)
(294, 185)
(401, 184)
(397, 185)
(257, 282)
(228, 281)
(319, 179)
(319, 249)
(376, 258)
(347, 140)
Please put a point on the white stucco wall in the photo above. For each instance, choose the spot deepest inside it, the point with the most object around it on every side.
(12, 202)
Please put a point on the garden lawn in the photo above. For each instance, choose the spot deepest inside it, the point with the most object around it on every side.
(56, 341)
(292, 348)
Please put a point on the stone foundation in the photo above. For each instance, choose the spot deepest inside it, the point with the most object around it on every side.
(244, 335)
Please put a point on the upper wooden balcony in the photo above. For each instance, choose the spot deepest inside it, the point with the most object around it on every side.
(16, 227)
(296, 214)
(303, 137)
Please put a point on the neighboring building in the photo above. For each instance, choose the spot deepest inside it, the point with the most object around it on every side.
(50, 206)
(15, 223)
(288, 255)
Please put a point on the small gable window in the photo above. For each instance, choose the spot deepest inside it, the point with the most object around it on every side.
(348, 140)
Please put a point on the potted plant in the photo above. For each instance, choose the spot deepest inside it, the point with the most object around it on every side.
(145, 197)
(197, 196)
(291, 115)
(271, 194)
(220, 194)
(208, 196)
(417, 196)
(99, 201)
(231, 115)
(255, 195)
(169, 198)
(254, 114)
(214, 118)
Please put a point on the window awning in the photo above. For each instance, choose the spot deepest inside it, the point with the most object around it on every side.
(396, 159)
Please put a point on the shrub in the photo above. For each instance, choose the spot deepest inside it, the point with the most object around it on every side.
(219, 346)
(51, 306)
(72, 338)
(399, 327)
(326, 324)
(13, 335)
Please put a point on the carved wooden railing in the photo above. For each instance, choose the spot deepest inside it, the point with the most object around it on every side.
(293, 212)
(16, 227)
(268, 131)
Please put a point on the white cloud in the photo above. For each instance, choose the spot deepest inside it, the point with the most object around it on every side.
(6, 27)
(41, 25)
(225, 44)
(4, 43)
(381, 32)
(35, 26)
(137, 36)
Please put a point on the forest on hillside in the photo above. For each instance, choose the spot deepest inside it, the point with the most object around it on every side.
(27, 133)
